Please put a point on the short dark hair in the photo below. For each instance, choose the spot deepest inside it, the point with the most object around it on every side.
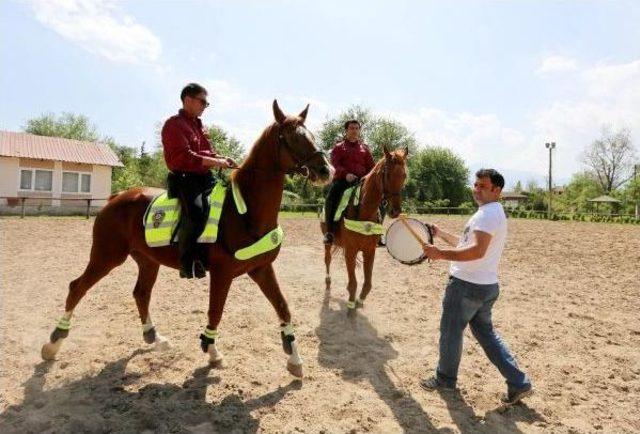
(349, 122)
(496, 178)
(192, 90)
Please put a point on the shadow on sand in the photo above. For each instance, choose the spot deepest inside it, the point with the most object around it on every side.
(101, 403)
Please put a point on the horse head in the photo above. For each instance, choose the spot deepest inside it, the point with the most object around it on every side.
(394, 175)
(296, 147)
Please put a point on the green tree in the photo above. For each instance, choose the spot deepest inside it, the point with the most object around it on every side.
(376, 131)
(123, 178)
(66, 125)
(611, 158)
(582, 187)
(225, 144)
(437, 173)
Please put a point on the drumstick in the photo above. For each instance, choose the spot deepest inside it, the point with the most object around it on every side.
(402, 218)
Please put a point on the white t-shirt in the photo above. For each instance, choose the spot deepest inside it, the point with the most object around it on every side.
(489, 218)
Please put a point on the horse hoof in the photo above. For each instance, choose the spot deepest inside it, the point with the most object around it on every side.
(49, 350)
(295, 370)
(359, 304)
(218, 363)
(161, 343)
(351, 312)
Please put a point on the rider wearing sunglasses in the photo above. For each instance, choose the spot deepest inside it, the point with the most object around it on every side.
(189, 157)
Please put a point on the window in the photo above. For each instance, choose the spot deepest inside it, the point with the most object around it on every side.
(25, 179)
(85, 185)
(69, 182)
(44, 180)
(39, 180)
(73, 182)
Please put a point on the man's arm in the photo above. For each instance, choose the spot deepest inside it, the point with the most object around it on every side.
(468, 253)
(448, 237)
(337, 163)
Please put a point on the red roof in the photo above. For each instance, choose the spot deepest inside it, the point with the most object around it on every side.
(55, 148)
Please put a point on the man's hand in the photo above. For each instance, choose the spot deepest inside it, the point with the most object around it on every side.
(432, 252)
(351, 177)
(435, 230)
(218, 162)
(231, 164)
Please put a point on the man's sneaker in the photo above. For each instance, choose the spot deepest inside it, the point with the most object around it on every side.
(434, 384)
(328, 238)
(513, 396)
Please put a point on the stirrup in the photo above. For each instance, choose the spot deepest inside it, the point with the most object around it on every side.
(328, 238)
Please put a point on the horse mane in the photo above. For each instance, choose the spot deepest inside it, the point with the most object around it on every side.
(264, 136)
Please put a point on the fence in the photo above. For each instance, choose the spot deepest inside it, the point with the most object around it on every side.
(90, 206)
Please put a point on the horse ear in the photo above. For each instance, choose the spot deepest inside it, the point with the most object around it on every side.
(303, 113)
(406, 152)
(277, 113)
(385, 149)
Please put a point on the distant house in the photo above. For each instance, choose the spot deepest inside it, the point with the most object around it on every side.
(558, 190)
(511, 199)
(53, 169)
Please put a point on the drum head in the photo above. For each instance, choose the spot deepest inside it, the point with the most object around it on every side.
(402, 245)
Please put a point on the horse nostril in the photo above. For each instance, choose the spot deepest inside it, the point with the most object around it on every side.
(324, 170)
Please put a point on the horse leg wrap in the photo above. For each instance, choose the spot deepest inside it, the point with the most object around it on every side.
(149, 335)
(286, 333)
(208, 338)
(286, 343)
(57, 334)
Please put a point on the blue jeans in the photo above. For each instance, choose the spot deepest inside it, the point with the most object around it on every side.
(469, 303)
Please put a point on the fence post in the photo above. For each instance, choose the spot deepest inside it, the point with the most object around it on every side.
(23, 201)
(88, 207)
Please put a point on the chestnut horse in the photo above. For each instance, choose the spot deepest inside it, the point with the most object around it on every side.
(383, 184)
(284, 147)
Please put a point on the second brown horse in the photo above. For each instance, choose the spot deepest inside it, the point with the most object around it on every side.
(383, 184)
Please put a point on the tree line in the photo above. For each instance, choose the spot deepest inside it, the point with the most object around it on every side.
(437, 177)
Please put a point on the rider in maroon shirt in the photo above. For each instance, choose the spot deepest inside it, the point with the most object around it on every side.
(189, 157)
(352, 160)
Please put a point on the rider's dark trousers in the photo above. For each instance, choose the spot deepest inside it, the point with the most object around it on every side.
(192, 190)
(332, 200)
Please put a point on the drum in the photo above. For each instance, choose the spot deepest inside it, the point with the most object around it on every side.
(402, 244)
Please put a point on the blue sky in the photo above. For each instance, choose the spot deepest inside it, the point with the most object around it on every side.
(491, 80)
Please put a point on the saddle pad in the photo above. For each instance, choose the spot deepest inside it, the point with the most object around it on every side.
(344, 201)
(163, 215)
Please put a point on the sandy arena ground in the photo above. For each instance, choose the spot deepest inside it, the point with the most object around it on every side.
(568, 309)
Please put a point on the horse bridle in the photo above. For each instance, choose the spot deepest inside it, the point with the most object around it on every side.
(301, 163)
(386, 194)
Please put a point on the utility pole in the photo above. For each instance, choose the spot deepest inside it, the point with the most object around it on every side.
(550, 146)
(636, 170)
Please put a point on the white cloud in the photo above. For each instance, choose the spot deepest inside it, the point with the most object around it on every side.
(605, 94)
(99, 27)
(555, 64)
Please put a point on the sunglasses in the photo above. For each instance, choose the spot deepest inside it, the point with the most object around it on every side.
(204, 102)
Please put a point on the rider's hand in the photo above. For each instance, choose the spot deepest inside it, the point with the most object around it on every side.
(435, 230)
(351, 177)
(217, 162)
(230, 163)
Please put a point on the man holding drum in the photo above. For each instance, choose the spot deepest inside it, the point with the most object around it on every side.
(473, 289)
